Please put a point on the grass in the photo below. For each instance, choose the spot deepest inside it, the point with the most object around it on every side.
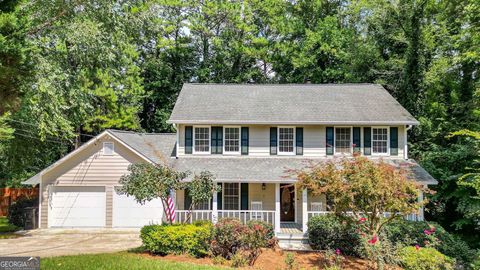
(116, 261)
(6, 227)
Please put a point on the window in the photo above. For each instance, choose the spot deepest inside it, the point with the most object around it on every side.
(380, 140)
(232, 139)
(286, 140)
(203, 205)
(202, 139)
(231, 196)
(343, 140)
(108, 148)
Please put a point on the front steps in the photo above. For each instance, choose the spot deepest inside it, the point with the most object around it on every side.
(293, 241)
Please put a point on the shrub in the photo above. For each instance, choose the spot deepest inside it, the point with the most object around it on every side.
(411, 233)
(290, 261)
(239, 260)
(413, 258)
(269, 233)
(328, 232)
(230, 237)
(177, 239)
(16, 211)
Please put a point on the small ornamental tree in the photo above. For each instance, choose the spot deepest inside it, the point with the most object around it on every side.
(146, 182)
(201, 189)
(362, 190)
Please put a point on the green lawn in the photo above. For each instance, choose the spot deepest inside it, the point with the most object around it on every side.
(5, 226)
(116, 261)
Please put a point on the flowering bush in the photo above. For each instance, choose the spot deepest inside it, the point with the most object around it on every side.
(423, 234)
(328, 232)
(418, 258)
(230, 238)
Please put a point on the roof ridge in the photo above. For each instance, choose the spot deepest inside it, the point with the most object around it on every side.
(140, 133)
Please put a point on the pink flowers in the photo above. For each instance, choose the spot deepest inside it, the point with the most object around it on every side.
(430, 231)
(417, 247)
(362, 220)
(373, 240)
(338, 252)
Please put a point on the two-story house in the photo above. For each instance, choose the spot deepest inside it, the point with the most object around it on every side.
(248, 136)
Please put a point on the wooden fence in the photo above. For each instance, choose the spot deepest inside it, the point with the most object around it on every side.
(10, 195)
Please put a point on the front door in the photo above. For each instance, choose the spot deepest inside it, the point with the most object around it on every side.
(287, 202)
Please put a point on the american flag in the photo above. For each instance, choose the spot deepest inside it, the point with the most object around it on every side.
(170, 208)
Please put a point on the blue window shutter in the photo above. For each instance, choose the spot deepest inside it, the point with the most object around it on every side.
(367, 141)
(219, 197)
(187, 200)
(329, 140)
(217, 140)
(245, 139)
(299, 140)
(244, 196)
(188, 139)
(356, 140)
(273, 140)
(393, 141)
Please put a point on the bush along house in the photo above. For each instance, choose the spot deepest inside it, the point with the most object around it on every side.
(247, 136)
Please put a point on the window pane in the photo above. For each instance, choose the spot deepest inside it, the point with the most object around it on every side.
(232, 139)
(342, 140)
(285, 140)
(231, 196)
(379, 140)
(202, 139)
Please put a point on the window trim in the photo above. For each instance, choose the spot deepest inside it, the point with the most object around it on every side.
(209, 141)
(225, 152)
(294, 152)
(335, 140)
(104, 147)
(239, 196)
(388, 141)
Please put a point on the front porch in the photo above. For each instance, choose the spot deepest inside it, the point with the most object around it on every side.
(280, 204)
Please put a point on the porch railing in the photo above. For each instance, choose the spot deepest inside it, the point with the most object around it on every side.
(310, 214)
(197, 215)
(246, 215)
(243, 215)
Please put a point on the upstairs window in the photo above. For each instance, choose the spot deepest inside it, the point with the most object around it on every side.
(232, 140)
(343, 140)
(201, 138)
(380, 141)
(108, 148)
(286, 140)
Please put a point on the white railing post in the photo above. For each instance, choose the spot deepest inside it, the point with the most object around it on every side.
(277, 208)
(215, 208)
(304, 210)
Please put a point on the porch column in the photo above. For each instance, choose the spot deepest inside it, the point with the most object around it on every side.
(215, 208)
(277, 208)
(304, 210)
(420, 211)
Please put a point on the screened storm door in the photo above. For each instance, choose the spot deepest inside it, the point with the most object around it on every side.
(287, 202)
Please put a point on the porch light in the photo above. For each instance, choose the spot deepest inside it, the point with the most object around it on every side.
(264, 186)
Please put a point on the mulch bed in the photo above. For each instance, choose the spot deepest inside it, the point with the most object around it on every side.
(274, 259)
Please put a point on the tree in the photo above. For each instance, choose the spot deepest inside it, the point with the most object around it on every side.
(360, 188)
(201, 189)
(146, 182)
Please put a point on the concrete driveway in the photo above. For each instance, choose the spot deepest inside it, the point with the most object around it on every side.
(56, 242)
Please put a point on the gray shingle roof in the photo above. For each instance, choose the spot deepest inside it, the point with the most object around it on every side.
(160, 148)
(288, 104)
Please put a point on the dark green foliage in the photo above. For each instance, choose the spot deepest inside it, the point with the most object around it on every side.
(16, 211)
(410, 233)
(190, 239)
(328, 232)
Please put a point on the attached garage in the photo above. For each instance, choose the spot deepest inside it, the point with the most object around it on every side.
(77, 207)
(128, 213)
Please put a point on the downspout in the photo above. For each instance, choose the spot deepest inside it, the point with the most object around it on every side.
(405, 143)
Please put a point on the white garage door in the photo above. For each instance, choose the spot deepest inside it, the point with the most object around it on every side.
(77, 207)
(128, 213)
